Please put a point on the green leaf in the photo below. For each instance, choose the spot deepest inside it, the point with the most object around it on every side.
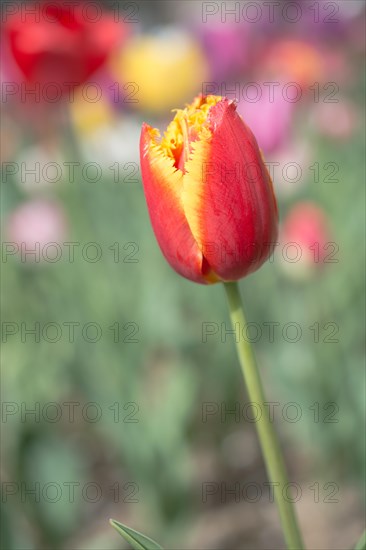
(361, 545)
(136, 539)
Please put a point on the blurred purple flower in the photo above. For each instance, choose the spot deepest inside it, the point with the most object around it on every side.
(325, 22)
(227, 48)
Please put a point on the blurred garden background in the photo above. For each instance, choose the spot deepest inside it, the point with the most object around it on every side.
(121, 390)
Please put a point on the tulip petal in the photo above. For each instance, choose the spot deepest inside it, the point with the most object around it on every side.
(228, 197)
(163, 185)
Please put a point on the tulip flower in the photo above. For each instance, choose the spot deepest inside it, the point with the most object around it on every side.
(214, 214)
(208, 192)
(59, 44)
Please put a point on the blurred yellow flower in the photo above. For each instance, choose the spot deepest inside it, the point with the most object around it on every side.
(88, 116)
(166, 69)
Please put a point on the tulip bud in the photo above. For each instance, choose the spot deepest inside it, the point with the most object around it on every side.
(208, 192)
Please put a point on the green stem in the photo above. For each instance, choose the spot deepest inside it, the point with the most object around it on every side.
(361, 545)
(267, 436)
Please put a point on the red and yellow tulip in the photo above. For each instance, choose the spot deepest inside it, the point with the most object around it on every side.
(208, 192)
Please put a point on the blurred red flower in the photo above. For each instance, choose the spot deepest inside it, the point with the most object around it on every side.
(60, 43)
(306, 230)
(294, 60)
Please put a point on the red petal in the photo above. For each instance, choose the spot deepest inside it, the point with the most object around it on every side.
(228, 196)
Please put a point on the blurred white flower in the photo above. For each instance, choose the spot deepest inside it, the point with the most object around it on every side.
(37, 168)
(114, 143)
(290, 166)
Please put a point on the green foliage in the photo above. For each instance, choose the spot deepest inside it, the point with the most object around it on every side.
(361, 545)
(137, 540)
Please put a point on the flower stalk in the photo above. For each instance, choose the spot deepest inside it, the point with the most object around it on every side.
(267, 436)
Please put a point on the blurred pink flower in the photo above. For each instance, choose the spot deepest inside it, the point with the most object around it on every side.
(306, 237)
(337, 70)
(343, 112)
(269, 118)
(34, 225)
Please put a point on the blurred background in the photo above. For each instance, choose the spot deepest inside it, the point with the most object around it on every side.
(121, 391)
